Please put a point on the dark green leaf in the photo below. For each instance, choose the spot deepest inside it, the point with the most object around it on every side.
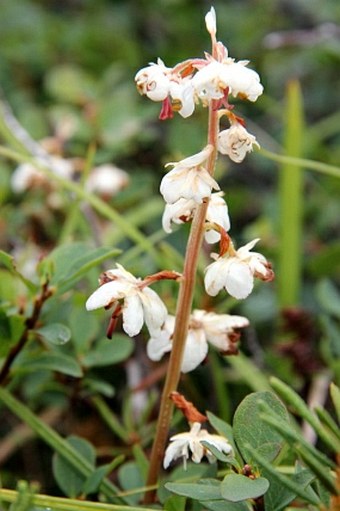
(51, 361)
(249, 428)
(109, 352)
(328, 297)
(70, 481)
(237, 487)
(55, 333)
(130, 478)
(278, 495)
(174, 503)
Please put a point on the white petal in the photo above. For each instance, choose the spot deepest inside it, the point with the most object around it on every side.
(107, 294)
(133, 316)
(214, 278)
(174, 450)
(239, 280)
(195, 351)
(210, 21)
(155, 312)
(158, 345)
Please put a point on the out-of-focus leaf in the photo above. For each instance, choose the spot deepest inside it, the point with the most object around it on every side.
(94, 481)
(70, 481)
(130, 478)
(328, 297)
(109, 352)
(52, 361)
(55, 333)
(326, 262)
(69, 83)
(68, 263)
(8, 262)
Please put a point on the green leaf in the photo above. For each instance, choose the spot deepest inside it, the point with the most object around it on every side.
(9, 263)
(69, 83)
(55, 441)
(68, 263)
(109, 352)
(70, 481)
(205, 489)
(51, 361)
(55, 333)
(335, 395)
(94, 481)
(274, 475)
(130, 478)
(237, 487)
(218, 454)
(278, 495)
(297, 403)
(250, 429)
(174, 503)
(224, 505)
(328, 297)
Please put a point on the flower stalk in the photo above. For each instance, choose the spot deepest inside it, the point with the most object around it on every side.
(184, 306)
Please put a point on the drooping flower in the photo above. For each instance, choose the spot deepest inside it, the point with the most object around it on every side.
(153, 81)
(183, 445)
(236, 142)
(140, 303)
(220, 330)
(182, 211)
(235, 271)
(189, 179)
(161, 83)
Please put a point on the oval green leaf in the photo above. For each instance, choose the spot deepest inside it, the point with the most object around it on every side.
(55, 333)
(237, 487)
(249, 428)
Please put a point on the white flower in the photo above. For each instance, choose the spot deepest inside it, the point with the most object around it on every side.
(107, 180)
(217, 213)
(153, 81)
(139, 302)
(241, 80)
(189, 179)
(236, 142)
(235, 272)
(28, 175)
(183, 444)
(204, 327)
(182, 211)
(212, 80)
(179, 212)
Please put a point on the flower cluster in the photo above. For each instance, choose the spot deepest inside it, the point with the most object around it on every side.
(190, 188)
(220, 330)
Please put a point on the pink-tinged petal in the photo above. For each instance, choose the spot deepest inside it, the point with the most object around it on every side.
(107, 294)
(214, 279)
(155, 312)
(239, 280)
(133, 316)
(195, 351)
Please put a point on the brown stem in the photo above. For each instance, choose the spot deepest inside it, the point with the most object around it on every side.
(30, 323)
(184, 305)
